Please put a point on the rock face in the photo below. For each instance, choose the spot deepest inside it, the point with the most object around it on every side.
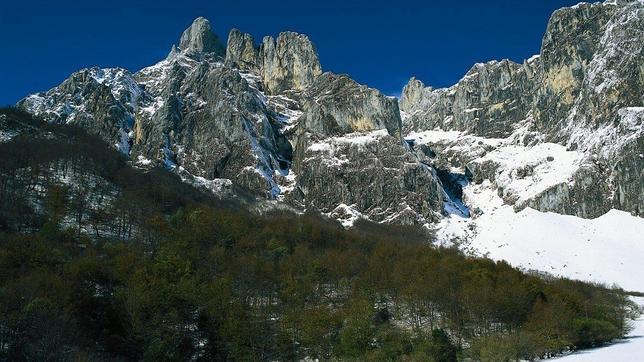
(560, 132)
(570, 42)
(199, 38)
(349, 154)
(101, 100)
(249, 117)
(336, 104)
(290, 62)
(241, 52)
(488, 101)
(369, 174)
(583, 91)
(211, 122)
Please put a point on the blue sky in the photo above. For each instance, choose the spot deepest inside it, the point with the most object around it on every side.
(379, 43)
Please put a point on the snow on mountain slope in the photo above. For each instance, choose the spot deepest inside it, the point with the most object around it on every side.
(608, 249)
(629, 349)
(525, 172)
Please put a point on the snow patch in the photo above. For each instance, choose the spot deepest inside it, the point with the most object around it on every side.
(525, 172)
(356, 138)
(345, 214)
(607, 249)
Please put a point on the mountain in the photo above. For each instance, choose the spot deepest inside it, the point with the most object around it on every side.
(264, 118)
(104, 261)
(561, 132)
(173, 212)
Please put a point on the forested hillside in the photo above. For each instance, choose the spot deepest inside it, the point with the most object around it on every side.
(101, 261)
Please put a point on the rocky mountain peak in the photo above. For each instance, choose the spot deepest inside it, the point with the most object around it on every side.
(582, 93)
(200, 38)
(268, 121)
(289, 62)
(241, 51)
(412, 93)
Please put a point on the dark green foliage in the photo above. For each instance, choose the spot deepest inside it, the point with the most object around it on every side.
(165, 272)
(441, 348)
(589, 332)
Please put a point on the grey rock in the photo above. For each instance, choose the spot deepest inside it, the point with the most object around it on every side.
(241, 52)
(584, 197)
(250, 123)
(288, 63)
(349, 155)
(570, 41)
(488, 101)
(214, 124)
(199, 38)
(583, 91)
(100, 100)
(336, 104)
(374, 175)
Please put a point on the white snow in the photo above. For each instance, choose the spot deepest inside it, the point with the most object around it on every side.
(434, 136)
(361, 138)
(141, 160)
(524, 172)
(218, 186)
(609, 139)
(286, 109)
(356, 138)
(121, 83)
(533, 58)
(333, 144)
(151, 108)
(319, 147)
(608, 249)
(6, 136)
(345, 214)
(453, 138)
(253, 82)
(123, 144)
(287, 183)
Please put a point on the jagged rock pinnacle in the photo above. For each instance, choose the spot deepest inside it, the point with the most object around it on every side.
(200, 38)
(289, 62)
(241, 51)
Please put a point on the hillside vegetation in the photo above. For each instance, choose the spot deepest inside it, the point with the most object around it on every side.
(100, 261)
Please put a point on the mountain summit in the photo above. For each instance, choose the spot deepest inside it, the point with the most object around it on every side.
(199, 37)
(260, 117)
(561, 132)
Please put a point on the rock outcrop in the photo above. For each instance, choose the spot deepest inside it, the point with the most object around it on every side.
(241, 52)
(101, 100)
(289, 62)
(583, 91)
(336, 104)
(249, 118)
(199, 38)
(560, 132)
(371, 174)
(488, 101)
(349, 153)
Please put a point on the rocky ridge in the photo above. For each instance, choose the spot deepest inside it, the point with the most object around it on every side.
(579, 101)
(252, 116)
(560, 132)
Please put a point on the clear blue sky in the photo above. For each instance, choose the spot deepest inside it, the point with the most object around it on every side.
(379, 43)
